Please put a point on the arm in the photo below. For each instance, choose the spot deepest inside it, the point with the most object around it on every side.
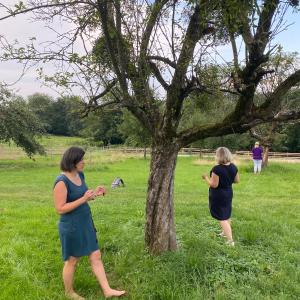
(213, 181)
(60, 199)
(237, 178)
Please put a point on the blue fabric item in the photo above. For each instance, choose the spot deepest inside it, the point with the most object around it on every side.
(76, 228)
(117, 183)
(220, 198)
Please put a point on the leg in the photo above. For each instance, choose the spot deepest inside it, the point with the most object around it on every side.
(255, 166)
(259, 163)
(98, 269)
(68, 275)
(226, 227)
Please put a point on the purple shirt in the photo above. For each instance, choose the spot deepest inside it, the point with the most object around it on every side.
(257, 153)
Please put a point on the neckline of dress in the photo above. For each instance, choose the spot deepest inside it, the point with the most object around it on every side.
(72, 181)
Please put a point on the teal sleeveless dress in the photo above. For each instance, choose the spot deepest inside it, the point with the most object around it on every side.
(76, 228)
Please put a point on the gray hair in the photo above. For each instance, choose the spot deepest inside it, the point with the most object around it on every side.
(223, 155)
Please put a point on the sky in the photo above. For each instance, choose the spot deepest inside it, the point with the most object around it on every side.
(22, 28)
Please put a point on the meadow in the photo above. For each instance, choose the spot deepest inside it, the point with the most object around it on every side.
(264, 264)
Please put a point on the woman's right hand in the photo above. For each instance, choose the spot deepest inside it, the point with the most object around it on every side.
(89, 195)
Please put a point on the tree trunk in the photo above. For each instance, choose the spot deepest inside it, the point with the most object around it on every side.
(160, 234)
(265, 157)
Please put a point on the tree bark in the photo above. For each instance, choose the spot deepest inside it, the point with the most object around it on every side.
(265, 157)
(160, 234)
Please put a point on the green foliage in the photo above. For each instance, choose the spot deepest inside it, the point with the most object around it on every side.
(40, 105)
(19, 124)
(60, 116)
(101, 51)
(292, 142)
(263, 265)
(102, 128)
(233, 141)
(207, 108)
(133, 133)
(19, 6)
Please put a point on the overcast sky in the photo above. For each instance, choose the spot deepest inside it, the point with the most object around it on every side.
(21, 28)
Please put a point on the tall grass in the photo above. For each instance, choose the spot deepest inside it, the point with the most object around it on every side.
(264, 264)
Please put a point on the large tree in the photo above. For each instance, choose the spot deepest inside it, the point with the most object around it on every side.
(140, 51)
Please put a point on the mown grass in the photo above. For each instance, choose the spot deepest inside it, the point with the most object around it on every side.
(50, 142)
(263, 265)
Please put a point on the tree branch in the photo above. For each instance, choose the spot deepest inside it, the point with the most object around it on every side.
(287, 116)
(24, 11)
(261, 37)
(107, 26)
(225, 127)
(158, 75)
(122, 51)
(93, 107)
(254, 134)
(163, 59)
(197, 28)
(235, 52)
(155, 11)
(274, 100)
(109, 86)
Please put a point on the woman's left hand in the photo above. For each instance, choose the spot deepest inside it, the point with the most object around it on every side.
(100, 191)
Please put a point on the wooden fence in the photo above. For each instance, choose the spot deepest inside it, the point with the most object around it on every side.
(6, 152)
(210, 152)
(271, 154)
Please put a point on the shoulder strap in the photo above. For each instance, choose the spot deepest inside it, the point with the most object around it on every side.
(62, 178)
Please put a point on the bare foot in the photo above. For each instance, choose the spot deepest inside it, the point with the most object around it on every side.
(74, 296)
(113, 293)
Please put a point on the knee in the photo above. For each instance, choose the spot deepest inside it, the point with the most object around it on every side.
(95, 257)
(72, 261)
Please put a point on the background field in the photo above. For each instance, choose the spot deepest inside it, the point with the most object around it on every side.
(263, 265)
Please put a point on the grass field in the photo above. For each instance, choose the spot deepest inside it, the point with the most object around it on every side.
(264, 264)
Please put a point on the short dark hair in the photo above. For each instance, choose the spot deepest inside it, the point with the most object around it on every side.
(71, 158)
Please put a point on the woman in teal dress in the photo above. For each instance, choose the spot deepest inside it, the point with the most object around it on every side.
(76, 227)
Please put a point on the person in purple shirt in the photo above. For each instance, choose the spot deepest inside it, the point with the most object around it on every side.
(257, 153)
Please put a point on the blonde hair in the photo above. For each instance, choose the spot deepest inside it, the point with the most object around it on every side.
(223, 155)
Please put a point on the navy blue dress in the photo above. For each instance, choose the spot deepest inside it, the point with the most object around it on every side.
(76, 228)
(220, 198)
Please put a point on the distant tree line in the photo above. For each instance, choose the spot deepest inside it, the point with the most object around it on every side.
(63, 116)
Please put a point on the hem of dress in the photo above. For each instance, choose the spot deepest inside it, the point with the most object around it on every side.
(85, 254)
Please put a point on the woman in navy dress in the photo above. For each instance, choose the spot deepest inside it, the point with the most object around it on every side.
(222, 176)
(76, 228)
